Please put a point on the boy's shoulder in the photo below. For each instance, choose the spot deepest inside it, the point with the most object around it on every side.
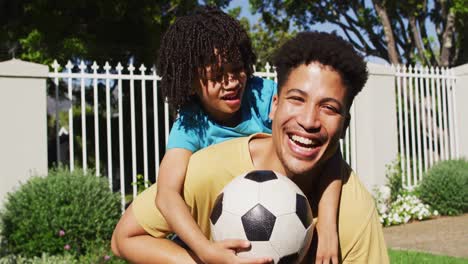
(217, 151)
(217, 164)
(256, 82)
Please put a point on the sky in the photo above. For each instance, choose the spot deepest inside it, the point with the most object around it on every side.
(327, 27)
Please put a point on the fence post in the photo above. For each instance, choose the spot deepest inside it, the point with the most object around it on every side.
(461, 109)
(376, 126)
(23, 118)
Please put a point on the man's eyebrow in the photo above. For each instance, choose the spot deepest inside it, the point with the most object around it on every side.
(296, 90)
(328, 99)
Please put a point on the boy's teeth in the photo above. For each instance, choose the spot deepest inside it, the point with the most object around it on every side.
(302, 140)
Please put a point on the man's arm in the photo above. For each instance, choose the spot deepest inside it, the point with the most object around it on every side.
(131, 242)
(370, 245)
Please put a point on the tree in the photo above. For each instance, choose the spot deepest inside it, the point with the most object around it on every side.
(117, 30)
(396, 31)
(265, 40)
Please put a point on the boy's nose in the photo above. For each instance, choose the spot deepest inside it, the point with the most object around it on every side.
(231, 82)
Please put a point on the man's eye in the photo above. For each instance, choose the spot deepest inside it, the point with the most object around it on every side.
(331, 108)
(295, 98)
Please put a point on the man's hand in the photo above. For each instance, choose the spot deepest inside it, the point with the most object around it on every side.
(224, 252)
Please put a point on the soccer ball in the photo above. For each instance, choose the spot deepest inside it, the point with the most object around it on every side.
(267, 209)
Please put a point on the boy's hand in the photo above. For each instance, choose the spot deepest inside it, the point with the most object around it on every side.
(327, 249)
(221, 252)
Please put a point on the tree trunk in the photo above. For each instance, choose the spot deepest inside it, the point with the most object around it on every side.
(447, 40)
(391, 45)
(417, 40)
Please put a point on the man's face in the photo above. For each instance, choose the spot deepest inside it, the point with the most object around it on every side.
(309, 117)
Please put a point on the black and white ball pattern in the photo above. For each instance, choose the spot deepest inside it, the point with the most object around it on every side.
(267, 209)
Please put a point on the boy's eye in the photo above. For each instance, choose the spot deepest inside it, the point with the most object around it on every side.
(216, 77)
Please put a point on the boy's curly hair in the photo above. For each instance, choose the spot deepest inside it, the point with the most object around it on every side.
(327, 49)
(190, 43)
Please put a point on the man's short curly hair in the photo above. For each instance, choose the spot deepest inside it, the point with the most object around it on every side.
(190, 43)
(327, 49)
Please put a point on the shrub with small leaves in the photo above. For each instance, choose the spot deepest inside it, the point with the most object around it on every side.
(62, 212)
(396, 204)
(43, 259)
(445, 187)
(394, 179)
(405, 208)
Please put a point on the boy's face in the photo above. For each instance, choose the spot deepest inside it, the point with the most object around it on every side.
(220, 90)
(309, 117)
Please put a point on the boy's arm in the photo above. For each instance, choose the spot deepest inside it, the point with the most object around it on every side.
(330, 186)
(170, 202)
(174, 209)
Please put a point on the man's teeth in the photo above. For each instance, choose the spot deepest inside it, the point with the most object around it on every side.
(304, 141)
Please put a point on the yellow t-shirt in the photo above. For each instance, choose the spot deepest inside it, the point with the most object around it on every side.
(210, 169)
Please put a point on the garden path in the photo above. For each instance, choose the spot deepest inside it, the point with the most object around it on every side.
(442, 236)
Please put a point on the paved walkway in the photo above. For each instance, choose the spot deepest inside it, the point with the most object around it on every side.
(442, 236)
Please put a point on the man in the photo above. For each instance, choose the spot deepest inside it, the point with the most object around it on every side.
(319, 75)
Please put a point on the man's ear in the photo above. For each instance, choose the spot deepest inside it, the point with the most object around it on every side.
(346, 125)
(274, 105)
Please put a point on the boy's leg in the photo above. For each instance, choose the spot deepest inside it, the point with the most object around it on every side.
(131, 242)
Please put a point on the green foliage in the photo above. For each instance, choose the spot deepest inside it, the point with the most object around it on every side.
(140, 183)
(397, 205)
(265, 40)
(43, 259)
(33, 47)
(363, 24)
(407, 207)
(99, 252)
(62, 259)
(394, 179)
(404, 257)
(445, 187)
(65, 211)
(91, 29)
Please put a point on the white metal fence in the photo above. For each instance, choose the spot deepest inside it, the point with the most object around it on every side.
(118, 124)
(100, 94)
(426, 119)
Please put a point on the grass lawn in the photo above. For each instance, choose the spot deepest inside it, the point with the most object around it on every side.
(409, 257)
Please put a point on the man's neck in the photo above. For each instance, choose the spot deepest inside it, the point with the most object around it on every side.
(264, 157)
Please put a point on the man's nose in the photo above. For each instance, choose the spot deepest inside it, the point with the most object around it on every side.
(309, 119)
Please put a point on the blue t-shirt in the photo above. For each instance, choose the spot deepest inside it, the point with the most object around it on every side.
(194, 129)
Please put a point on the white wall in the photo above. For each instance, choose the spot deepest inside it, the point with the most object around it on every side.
(376, 126)
(461, 102)
(23, 121)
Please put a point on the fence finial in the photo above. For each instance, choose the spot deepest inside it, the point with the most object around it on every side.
(55, 65)
(69, 66)
(107, 67)
(94, 67)
(82, 66)
(131, 68)
(142, 69)
(119, 68)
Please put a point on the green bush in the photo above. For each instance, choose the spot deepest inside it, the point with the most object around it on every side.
(394, 179)
(99, 253)
(61, 259)
(44, 259)
(445, 187)
(63, 212)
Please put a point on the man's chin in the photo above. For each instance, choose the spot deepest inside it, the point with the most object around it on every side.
(301, 168)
